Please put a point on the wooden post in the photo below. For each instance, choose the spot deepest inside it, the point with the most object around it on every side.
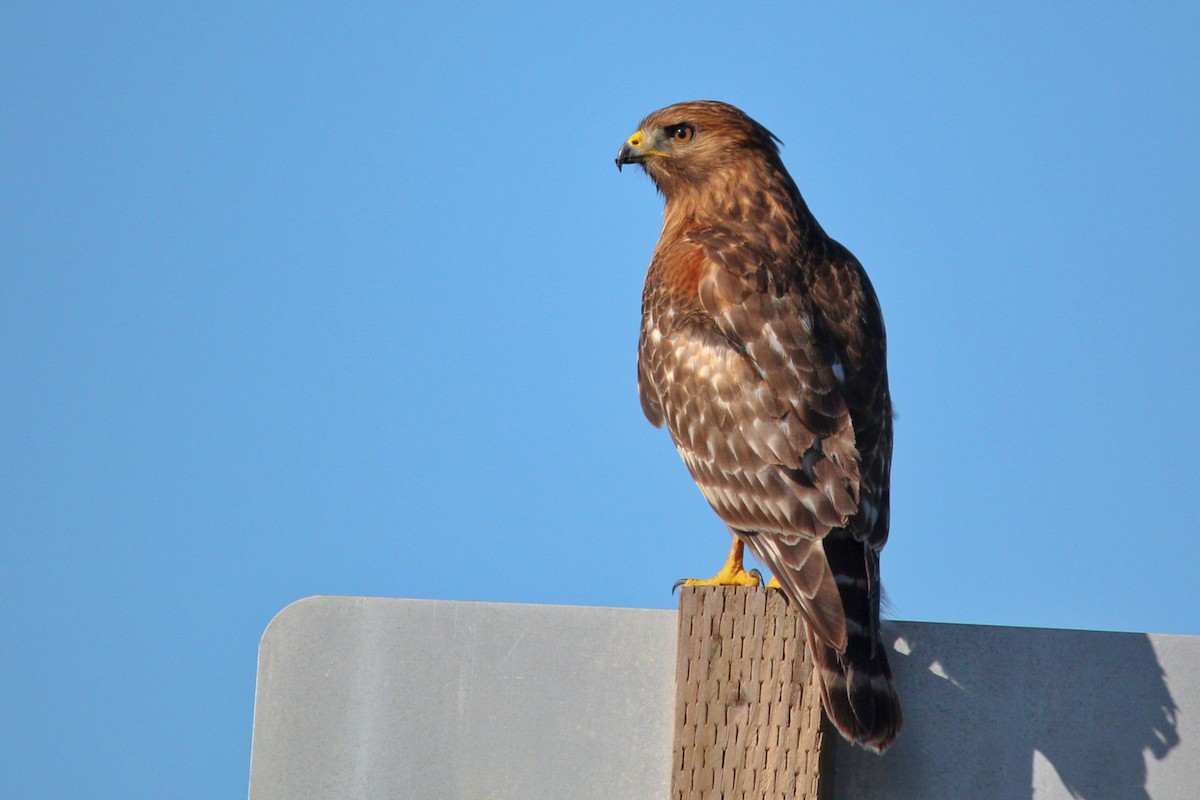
(748, 721)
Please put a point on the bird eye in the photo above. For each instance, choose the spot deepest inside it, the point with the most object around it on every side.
(681, 133)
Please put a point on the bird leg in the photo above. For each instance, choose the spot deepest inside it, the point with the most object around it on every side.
(732, 574)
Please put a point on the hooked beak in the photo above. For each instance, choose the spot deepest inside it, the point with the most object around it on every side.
(628, 154)
(637, 149)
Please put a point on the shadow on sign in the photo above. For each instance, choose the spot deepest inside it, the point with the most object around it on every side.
(983, 700)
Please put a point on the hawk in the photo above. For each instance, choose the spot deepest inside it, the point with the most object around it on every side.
(762, 349)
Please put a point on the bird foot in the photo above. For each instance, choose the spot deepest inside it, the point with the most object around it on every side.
(728, 576)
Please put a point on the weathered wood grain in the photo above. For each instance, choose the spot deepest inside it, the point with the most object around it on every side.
(748, 721)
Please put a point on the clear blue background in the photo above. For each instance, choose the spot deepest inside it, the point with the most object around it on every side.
(344, 300)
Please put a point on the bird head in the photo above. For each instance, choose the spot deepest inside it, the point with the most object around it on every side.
(688, 144)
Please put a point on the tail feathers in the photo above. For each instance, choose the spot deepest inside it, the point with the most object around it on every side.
(857, 690)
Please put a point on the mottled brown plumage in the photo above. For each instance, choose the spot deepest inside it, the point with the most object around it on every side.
(762, 350)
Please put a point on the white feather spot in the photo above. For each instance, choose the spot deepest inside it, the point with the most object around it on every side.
(773, 341)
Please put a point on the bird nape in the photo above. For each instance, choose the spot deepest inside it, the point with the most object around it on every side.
(762, 350)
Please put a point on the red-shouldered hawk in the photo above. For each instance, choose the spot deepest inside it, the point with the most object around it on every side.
(762, 349)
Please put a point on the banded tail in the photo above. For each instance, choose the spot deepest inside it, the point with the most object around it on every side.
(834, 584)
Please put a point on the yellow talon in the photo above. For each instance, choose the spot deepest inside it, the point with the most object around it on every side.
(732, 574)
(773, 583)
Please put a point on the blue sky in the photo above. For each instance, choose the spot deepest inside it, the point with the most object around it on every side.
(304, 301)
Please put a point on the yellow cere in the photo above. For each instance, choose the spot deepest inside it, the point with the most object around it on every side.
(638, 139)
